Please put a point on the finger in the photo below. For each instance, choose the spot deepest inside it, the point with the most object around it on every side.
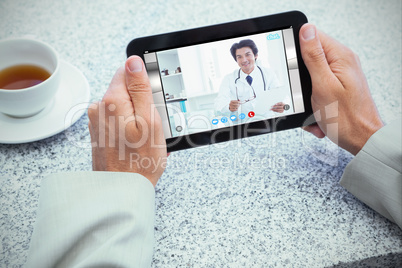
(117, 86)
(278, 104)
(277, 108)
(342, 61)
(313, 53)
(93, 110)
(116, 98)
(315, 130)
(334, 50)
(138, 86)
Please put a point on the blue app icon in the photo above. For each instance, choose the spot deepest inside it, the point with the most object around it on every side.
(273, 36)
(224, 119)
(215, 121)
(242, 116)
(233, 117)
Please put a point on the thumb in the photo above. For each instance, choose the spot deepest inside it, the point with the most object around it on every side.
(313, 53)
(138, 86)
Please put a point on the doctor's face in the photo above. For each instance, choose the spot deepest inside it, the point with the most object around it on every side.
(246, 59)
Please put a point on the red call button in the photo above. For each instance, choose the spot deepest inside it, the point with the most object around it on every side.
(251, 114)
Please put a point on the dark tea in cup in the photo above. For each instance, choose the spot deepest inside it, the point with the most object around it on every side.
(22, 76)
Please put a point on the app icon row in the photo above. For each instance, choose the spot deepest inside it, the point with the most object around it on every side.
(224, 119)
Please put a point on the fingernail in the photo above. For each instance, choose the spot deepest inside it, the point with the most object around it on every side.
(135, 65)
(309, 33)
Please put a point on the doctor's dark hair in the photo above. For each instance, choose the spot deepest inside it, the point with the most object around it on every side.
(243, 43)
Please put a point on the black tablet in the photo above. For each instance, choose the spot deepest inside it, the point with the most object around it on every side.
(228, 81)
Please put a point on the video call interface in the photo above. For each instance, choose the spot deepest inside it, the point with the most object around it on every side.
(223, 83)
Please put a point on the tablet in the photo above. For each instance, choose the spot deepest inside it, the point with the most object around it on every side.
(221, 82)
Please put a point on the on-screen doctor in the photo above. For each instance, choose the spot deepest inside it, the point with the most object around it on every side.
(240, 88)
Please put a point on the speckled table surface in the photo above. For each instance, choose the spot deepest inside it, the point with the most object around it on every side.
(274, 202)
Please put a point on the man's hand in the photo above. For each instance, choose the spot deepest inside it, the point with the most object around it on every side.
(341, 95)
(126, 130)
(278, 107)
(234, 105)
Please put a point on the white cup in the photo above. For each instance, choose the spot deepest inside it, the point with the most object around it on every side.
(31, 100)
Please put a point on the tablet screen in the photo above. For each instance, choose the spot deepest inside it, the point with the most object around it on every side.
(227, 82)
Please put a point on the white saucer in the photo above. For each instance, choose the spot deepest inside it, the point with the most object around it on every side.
(66, 107)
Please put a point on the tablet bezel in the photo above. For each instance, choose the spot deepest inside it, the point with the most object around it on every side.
(294, 19)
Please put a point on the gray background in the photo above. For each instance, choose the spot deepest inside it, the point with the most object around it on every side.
(290, 212)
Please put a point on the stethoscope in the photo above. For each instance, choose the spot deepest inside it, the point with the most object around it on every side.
(263, 79)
